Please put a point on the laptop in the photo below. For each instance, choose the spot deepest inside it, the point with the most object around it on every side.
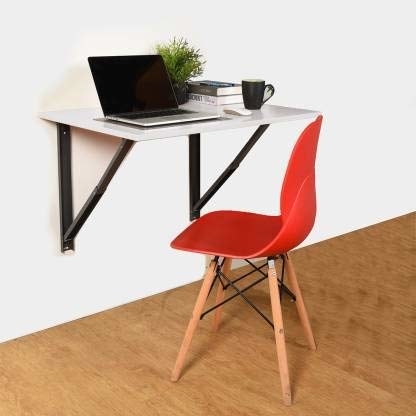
(137, 90)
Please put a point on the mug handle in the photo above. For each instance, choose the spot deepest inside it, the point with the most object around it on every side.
(268, 88)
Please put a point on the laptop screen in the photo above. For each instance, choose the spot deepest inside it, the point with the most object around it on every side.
(128, 84)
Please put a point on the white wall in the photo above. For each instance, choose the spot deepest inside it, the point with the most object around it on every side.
(353, 60)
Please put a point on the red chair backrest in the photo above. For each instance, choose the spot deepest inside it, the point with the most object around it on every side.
(298, 197)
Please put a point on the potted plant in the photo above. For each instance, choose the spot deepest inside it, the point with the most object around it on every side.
(183, 62)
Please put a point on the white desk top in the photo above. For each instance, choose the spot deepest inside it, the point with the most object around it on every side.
(85, 118)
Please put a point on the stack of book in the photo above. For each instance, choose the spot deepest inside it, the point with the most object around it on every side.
(215, 92)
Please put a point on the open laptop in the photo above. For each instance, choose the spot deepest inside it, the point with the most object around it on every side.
(137, 90)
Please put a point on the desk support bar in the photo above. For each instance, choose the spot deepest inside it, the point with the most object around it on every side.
(69, 228)
(65, 183)
(194, 174)
(194, 166)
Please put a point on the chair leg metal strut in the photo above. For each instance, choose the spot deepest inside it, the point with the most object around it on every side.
(221, 274)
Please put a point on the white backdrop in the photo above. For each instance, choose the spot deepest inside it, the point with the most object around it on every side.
(353, 60)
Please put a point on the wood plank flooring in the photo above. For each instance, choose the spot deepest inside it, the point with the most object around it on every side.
(360, 291)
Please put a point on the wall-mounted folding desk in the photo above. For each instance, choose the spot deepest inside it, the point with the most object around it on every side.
(90, 119)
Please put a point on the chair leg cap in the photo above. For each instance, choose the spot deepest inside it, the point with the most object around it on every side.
(287, 400)
(174, 378)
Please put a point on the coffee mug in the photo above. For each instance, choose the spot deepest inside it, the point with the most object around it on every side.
(255, 92)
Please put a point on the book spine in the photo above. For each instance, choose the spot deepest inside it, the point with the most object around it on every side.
(203, 99)
(209, 99)
(230, 90)
(213, 91)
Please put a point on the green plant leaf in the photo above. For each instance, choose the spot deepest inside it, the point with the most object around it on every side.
(182, 60)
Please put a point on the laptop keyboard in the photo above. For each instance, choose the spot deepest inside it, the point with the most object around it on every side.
(160, 113)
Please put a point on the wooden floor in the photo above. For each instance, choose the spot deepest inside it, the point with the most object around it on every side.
(360, 290)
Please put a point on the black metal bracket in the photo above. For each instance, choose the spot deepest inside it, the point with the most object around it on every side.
(69, 226)
(197, 202)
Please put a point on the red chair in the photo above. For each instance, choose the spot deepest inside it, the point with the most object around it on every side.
(245, 235)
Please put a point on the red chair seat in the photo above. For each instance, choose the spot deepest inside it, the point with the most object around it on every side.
(233, 234)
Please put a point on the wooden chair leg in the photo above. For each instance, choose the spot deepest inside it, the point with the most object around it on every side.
(300, 305)
(279, 334)
(199, 305)
(220, 295)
